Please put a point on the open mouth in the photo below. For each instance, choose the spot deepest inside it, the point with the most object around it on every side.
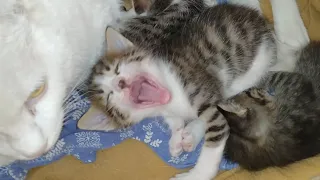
(145, 92)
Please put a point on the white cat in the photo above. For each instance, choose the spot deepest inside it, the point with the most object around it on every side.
(47, 48)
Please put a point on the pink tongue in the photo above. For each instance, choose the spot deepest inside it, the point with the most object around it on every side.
(148, 93)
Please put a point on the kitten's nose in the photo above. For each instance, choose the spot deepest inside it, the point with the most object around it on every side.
(122, 84)
(119, 83)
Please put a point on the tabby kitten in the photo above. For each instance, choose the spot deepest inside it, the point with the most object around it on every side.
(278, 122)
(179, 64)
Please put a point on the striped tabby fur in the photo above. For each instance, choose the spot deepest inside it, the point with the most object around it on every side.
(278, 122)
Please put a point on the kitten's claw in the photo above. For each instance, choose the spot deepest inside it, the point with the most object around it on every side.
(175, 143)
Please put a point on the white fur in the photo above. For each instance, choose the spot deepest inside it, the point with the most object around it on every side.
(176, 124)
(45, 40)
(260, 66)
(290, 31)
(207, 165)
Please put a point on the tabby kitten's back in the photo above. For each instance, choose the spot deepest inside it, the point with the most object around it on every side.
(277, 123)
(309, 64)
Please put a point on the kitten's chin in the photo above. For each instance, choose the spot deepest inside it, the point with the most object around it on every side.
(146, 92)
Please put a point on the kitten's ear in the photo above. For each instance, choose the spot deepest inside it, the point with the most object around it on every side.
(141, 6)
(95, 119)
(117, 44)
(233, 112)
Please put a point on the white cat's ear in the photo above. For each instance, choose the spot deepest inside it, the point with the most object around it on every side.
(116, 43)
(95, 119)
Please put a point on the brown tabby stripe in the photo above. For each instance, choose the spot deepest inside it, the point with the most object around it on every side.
(216, 138)
(194, 94)
(202, 108)
(116, 116)
(216, 128)
(214, 116)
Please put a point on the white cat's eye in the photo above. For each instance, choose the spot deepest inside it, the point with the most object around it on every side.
(38, 91)
(35, 96)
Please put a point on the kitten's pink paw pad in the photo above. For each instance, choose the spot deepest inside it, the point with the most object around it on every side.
(188, 143)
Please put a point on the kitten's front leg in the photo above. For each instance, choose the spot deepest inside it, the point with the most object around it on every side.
(207, 166)
(211, 153)
(176, 125)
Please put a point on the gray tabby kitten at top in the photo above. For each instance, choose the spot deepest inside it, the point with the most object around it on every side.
(278, 127)
(179, 63)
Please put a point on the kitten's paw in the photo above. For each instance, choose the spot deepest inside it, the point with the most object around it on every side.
(192, 135)
(188, 142)
(175, 143)
(263, 95)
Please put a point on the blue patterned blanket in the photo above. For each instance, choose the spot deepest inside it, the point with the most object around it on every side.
(84, 144)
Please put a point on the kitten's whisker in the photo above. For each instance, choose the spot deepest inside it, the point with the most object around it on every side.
(79, 83)
(65, 106)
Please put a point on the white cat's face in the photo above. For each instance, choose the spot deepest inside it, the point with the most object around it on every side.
(31, 106)
(45, 51)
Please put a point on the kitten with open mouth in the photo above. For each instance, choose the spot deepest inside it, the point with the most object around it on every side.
(179, 63)
(143, 92)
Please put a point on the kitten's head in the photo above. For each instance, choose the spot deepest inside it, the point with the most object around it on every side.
(127, 84)
(251, 117)
(272, 129)
(249, 114)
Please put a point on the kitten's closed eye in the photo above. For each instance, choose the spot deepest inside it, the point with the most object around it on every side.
(116, 70)
(109, 96)
(123, 8)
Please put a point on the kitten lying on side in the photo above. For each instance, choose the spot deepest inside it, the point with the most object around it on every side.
(277, 123)
(179, 64)
(47, 48)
